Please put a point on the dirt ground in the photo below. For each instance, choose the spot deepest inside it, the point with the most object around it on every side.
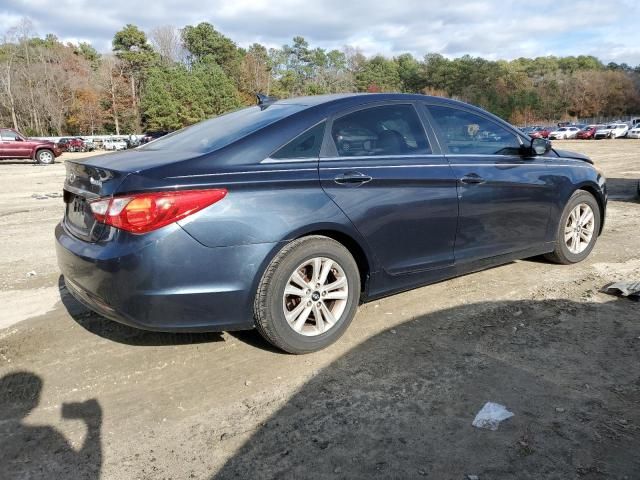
(83, 397)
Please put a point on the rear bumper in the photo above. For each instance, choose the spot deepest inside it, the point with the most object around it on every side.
(165, 280)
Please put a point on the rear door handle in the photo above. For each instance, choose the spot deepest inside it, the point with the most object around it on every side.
(352, 178)
(472, 178)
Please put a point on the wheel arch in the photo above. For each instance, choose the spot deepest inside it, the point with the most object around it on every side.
(355, 248)
(40, 148)
(596, 192)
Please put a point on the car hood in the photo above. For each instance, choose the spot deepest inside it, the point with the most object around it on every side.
(573, 155)
(38, 141)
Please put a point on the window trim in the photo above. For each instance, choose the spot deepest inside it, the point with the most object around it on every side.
(440, 136)
(329, 151)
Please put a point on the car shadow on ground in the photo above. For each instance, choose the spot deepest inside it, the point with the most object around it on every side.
(400, 405)
(254, 339)
(118, 332)
(623, 189)
(40, 451)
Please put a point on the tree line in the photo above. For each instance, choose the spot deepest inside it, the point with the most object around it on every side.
(171, 77)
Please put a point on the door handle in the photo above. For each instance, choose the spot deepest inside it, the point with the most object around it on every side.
(352, 178)
(472, 178)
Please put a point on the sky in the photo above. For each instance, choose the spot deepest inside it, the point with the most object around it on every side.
(493, 29)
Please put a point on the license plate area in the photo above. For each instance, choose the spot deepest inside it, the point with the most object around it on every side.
(78, 217)
(77, 213)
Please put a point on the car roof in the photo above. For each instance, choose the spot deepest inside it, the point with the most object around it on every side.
(316, 100)
(347, 100)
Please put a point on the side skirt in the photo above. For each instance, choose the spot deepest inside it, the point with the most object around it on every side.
(384, 285)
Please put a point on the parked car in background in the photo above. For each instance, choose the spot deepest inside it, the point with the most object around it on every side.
(14, 145)
(71, 144)
(603, 132)
(114, 144)
(564, 133)
(153, 135)
(634, 132)
(285, 216)
(613, 130)
(89, 145)
(620, 130)
(540, 132)
(588, 132)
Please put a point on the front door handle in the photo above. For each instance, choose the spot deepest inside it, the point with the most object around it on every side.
(472, 178)
(352, 178)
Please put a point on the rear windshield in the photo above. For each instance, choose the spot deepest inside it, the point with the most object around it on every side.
(218, 132)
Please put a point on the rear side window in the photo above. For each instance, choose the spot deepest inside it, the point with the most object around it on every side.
(380, 131)
(305, 145)
(467, 133)
(218, 132)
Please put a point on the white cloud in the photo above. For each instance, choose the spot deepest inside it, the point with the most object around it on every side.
(489, 28)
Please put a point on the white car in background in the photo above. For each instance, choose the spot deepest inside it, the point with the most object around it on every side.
(563, 133)
(634, 132)
(613, 130)
(114, 145)
(620, 130)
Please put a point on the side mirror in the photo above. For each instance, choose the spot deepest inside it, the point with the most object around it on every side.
(540, 146)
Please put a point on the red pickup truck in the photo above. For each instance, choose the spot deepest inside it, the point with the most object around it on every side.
(15, 145)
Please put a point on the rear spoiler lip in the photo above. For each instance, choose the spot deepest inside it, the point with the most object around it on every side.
(92, 182)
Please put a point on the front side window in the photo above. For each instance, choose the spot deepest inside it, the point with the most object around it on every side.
(466, 133)
(305, 145)
(9, 135)
(380, 131)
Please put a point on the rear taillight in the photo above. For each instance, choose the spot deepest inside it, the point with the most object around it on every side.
(144, 212)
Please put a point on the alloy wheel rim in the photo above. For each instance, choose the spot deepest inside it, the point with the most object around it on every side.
(45, 157)
(579, 229)
(315, 296)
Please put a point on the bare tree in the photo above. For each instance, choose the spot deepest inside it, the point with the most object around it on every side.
(7, 62)
(167, 41)
(114, 85)
(255, 70)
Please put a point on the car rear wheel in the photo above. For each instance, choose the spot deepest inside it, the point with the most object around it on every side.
(45, 157)
(578, 229)
(308, 295)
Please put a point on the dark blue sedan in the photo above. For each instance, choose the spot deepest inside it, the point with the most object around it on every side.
(286, 215)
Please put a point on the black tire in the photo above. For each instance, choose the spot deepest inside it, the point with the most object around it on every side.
(45, 156)
(268, 306)
(562, 254)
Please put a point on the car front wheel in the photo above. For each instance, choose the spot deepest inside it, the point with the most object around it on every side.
(308, 295)
(578, 229)
(45, 157)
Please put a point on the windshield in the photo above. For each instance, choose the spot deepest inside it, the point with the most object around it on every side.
(218, 132)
